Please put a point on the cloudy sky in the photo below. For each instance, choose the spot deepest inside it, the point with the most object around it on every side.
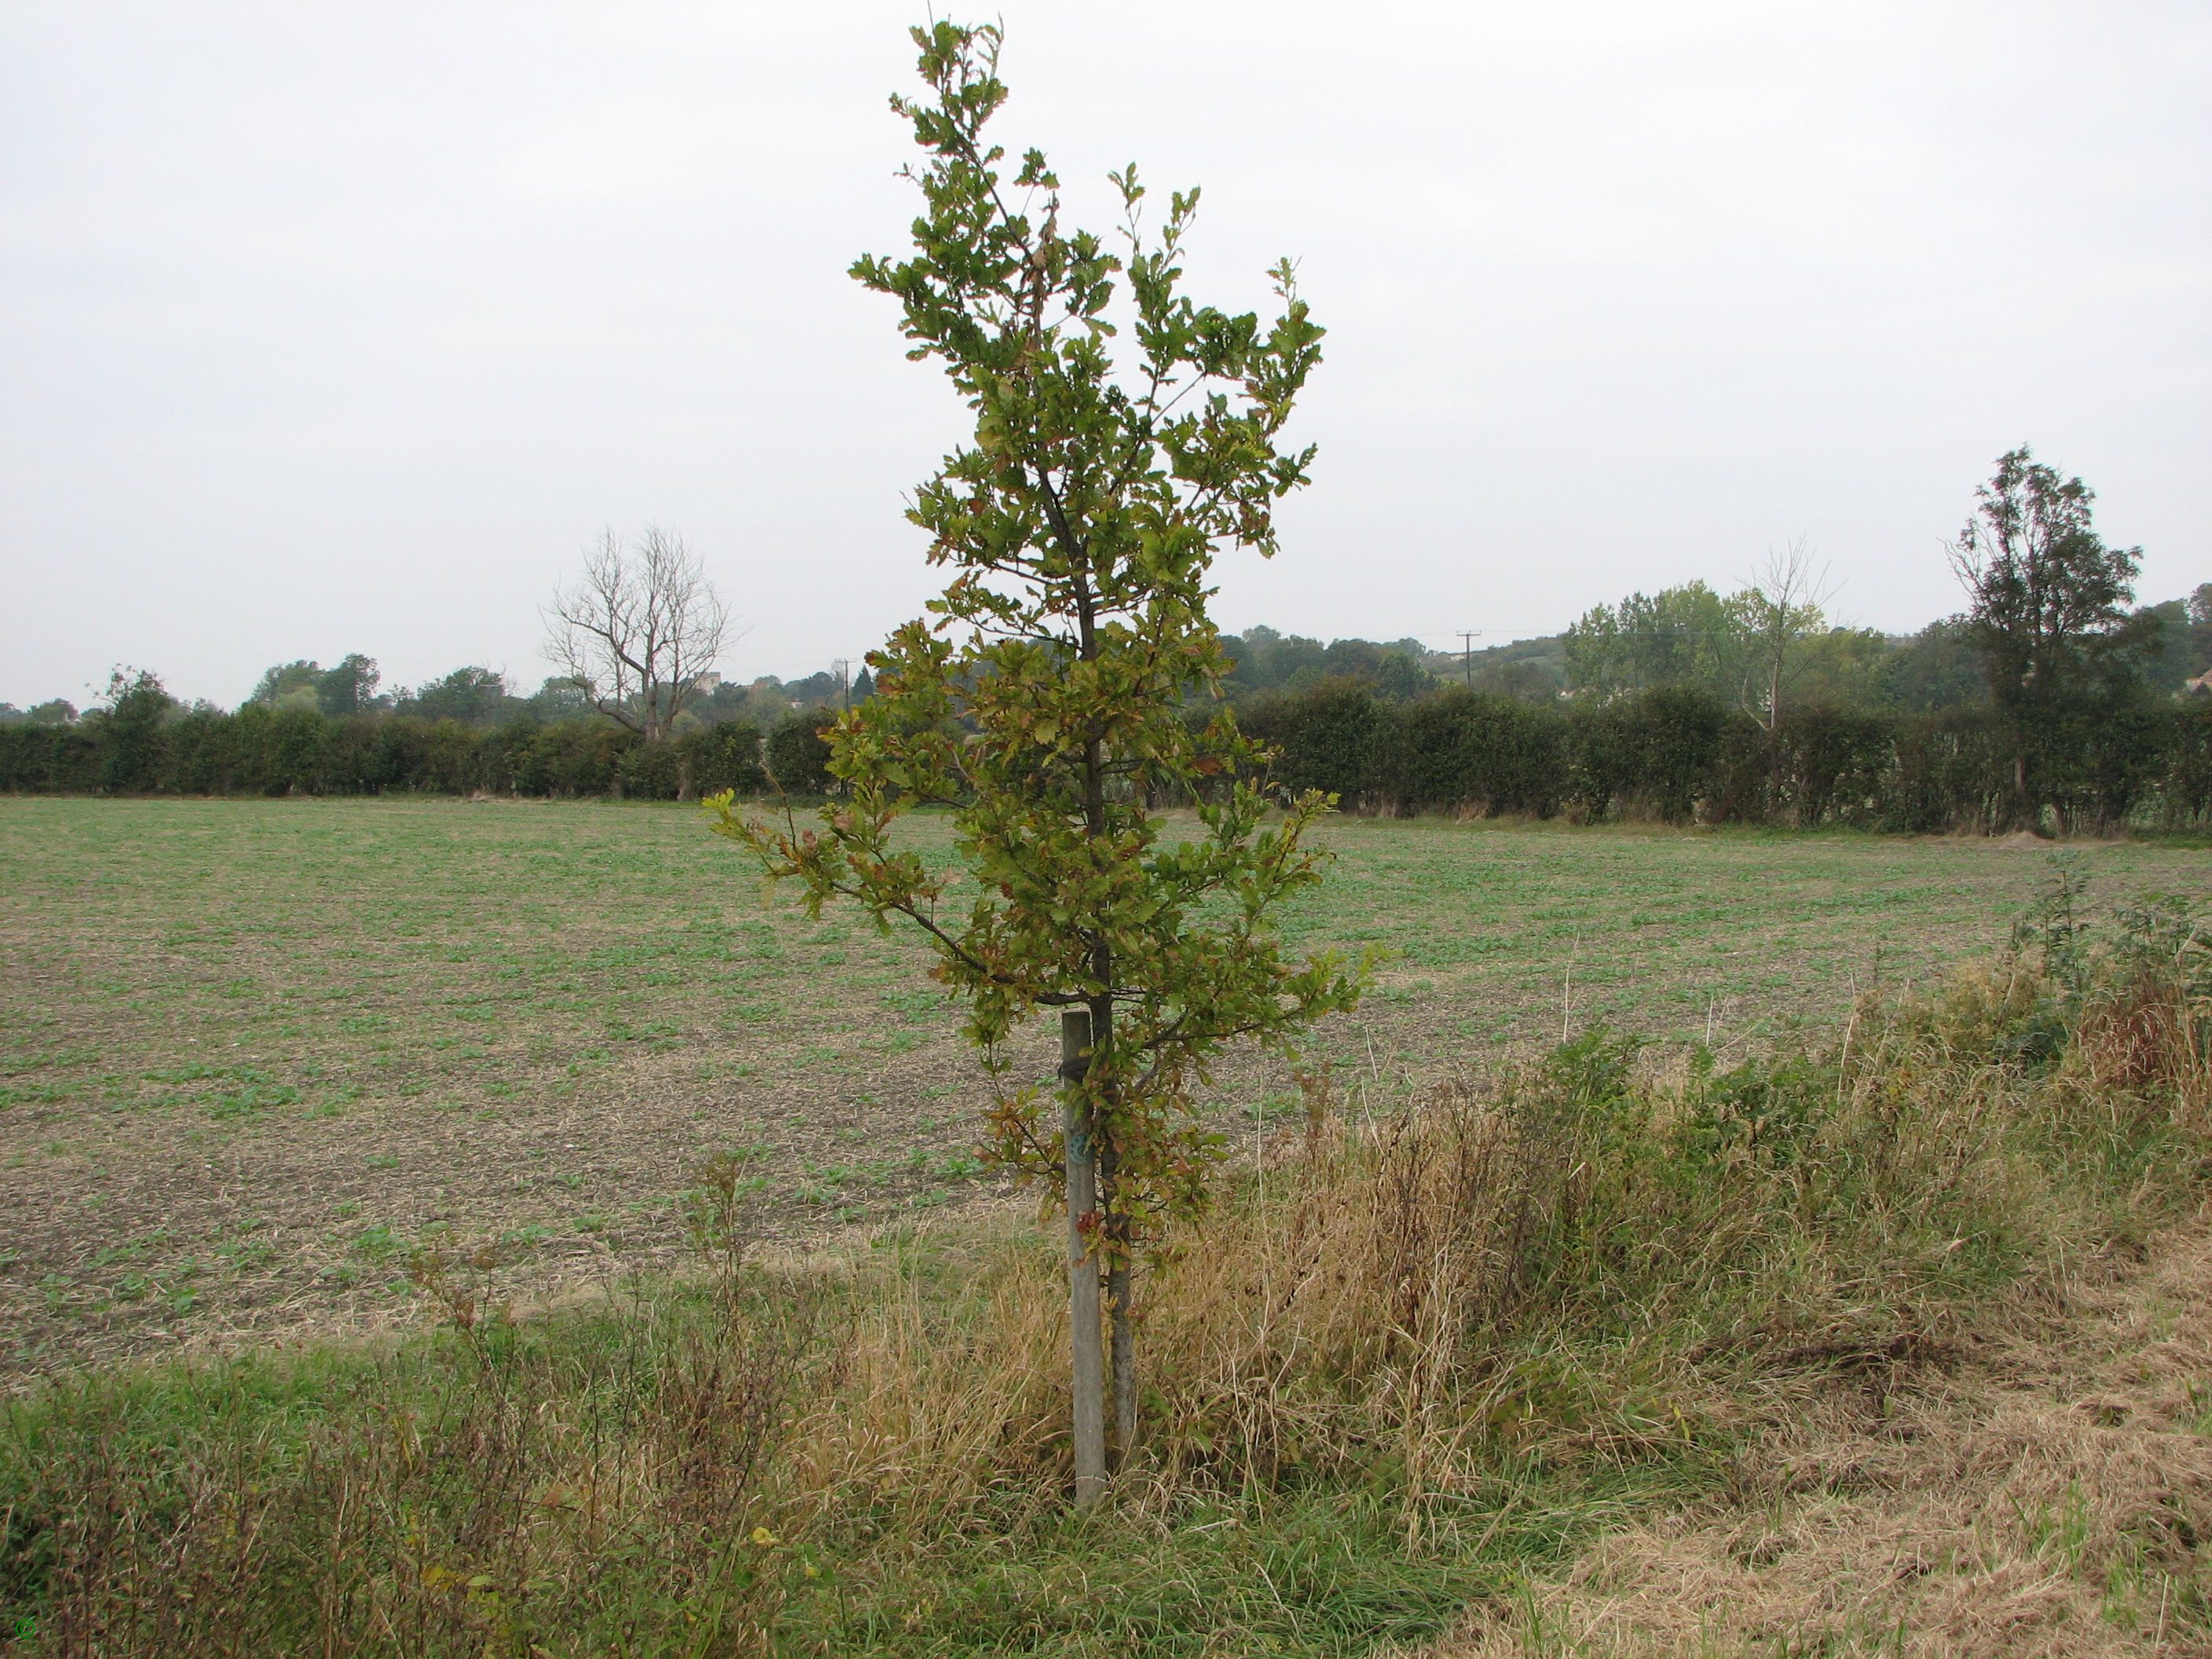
(345, 327)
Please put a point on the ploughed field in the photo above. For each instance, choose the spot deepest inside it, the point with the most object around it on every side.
(256, 1055)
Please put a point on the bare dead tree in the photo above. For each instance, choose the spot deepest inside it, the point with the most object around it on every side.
(1781, 607)
(638, 630)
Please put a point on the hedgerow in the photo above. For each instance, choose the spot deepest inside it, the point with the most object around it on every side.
(1681, 755)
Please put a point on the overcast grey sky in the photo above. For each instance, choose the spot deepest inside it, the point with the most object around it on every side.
(329, 327)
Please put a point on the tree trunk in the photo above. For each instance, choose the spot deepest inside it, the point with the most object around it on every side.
(1125, 1357)
(1113, 1225)
(1088, 1369)
(1096, 1028)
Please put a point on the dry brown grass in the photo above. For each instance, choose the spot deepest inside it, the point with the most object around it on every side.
(1597, 1261)
(2049, 1494)
(2046, 1490)
(1325, 1316)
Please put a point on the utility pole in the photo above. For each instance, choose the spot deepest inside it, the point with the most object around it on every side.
(1467, 652)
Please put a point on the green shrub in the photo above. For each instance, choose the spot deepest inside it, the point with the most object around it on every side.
(798, 756)
(726, 755)
(128, 731)
(1327, 738)
(49, 759)
(1463, 750)
(1830, 766)
(2185, 792)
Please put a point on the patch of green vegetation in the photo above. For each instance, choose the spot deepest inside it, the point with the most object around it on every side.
(41, 1094)
(377, 1242)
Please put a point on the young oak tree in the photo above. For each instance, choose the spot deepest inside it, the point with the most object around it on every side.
(1042, 699)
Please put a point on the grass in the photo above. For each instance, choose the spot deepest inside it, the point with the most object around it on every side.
(2042, 1494)
(1424, 1356)
(311, 1020)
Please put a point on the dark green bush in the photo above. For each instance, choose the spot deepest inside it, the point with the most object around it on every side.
(1828, 765)
(1682, 756)
(1676, 733)
(799, 755)
(1328, 737)
(128, 733)
(1475, 751)
(723, 756)
(2185, 792)
(49, 759)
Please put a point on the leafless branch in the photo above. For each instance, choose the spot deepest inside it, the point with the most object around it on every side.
(638, 630)
(1787, 594)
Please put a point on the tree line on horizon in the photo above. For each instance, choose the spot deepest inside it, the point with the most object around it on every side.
(1694, 636)
(2076, 701)
(474, 697)
(2051, 701)
(1689, 635)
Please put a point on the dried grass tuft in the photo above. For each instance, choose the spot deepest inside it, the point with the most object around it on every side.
(2052, 1496)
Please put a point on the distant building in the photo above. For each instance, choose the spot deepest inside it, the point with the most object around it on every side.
(2199, 687)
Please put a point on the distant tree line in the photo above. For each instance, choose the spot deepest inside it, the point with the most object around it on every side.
(2049, 700)
(1268, 661)
(460, 735)
(1694, 635)
(1674, 752)
(2050, 703)
(481, 697)
(636, 711)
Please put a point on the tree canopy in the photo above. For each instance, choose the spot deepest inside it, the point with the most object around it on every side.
(2048, 608)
